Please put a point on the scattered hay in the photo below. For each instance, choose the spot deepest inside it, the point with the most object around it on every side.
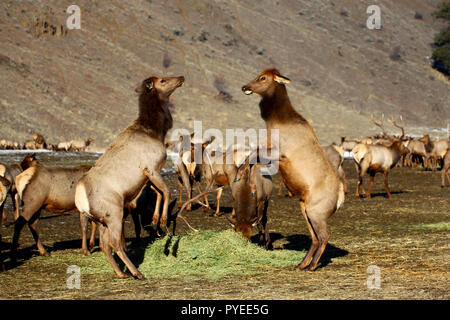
(202, 255)
(440, 226)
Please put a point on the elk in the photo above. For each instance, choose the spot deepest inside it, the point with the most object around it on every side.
(39, 141)
(303, 164)
(335, 155)
(416, 150)
(188, 171)
(79, 145)
(4, 189)
(348, 145)
(10, 172)
(378, 158)
(117, 178)
(219, 173)
(139, 209)
(445, 168)
(63, 146)
(41, 187)
(436, 150)
(251, 196)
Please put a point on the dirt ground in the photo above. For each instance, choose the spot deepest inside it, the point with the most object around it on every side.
(407, 238)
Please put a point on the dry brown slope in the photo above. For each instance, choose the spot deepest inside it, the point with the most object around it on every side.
(82, 84)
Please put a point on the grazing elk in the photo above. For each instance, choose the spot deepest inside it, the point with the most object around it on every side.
(445, 168)
(50, 188)
(377, 158)
(303, 164)
(10, 172)
(136, 157)
(251, 196)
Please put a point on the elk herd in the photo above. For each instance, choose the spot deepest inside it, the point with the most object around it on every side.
(126, 179)
(38, 142)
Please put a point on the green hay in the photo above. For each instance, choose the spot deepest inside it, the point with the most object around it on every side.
(440, 226)
(201, 255)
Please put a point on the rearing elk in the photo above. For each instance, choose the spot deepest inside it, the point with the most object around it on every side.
(303, 164)
(378, 158)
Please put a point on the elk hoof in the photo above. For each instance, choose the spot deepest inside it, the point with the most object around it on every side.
(300, 267)
(139, 276)
(86, 253)
(123, 275)
(44, 253)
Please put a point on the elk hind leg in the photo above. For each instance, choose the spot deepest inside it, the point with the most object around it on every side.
(314, 241)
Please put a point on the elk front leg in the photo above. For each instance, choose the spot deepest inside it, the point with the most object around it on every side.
(219, 195)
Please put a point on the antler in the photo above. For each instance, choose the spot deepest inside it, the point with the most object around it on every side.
(379, 124)
(402, 126)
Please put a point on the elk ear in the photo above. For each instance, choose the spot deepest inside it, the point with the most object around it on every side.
(146, 86)
(280, 79)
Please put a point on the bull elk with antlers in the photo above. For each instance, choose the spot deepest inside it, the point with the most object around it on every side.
(378, 158)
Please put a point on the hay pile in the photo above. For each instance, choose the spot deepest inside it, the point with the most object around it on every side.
(202, 255)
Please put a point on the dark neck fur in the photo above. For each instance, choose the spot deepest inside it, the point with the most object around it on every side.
(278, 107)
(154, 115)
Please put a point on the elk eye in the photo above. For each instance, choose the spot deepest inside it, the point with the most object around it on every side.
(262, 78)
(163, 81)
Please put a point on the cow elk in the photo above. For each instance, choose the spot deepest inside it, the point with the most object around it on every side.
(41, 187)
(10, 172)
(303, 164)
(445, 168)
(136, 157)
(251, 196)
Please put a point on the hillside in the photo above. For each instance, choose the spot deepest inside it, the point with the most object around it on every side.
(81, 84)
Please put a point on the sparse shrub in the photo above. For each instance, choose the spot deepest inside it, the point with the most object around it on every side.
(441, 51)
(167, 61)
(396, 54)
(221, 85)
(443, 11)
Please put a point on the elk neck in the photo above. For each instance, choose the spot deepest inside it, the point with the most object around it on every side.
(277, 108)
(154, 115)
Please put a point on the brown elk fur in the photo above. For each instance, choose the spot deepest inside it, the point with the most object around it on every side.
(50, 188)
(303, 164)
(445, 168)
(251, 196)
(10, 172)
(136, 157)
(377, 158)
